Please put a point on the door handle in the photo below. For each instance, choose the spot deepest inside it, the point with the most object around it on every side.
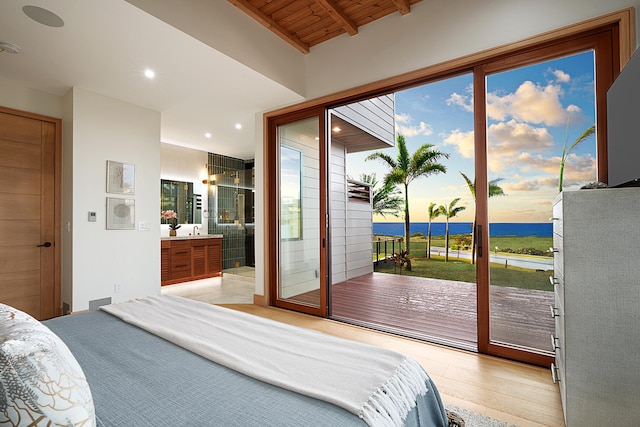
(45, 244)
(479, 240)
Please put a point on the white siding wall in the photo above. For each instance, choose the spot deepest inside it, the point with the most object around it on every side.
(300, 259)
(351, 225)
(359, 238)
(375, 116)
(338, 216)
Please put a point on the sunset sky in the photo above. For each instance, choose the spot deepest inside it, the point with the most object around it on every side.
(528, 110)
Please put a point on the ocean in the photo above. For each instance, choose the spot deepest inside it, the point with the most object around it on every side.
(496, 229)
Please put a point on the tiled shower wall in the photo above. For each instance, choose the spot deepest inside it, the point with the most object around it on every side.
(223, 212)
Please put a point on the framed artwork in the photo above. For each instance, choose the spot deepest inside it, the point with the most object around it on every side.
(121, 213)
(121, 177)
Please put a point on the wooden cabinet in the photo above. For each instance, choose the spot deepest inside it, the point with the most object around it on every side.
(165, 261)
(597, 305)
(183, 260)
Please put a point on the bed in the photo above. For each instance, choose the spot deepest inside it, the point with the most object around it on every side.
(154, 362)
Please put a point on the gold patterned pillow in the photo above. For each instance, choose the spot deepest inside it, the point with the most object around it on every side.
(41, 383)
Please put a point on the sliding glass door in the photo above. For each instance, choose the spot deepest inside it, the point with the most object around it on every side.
(525, 107)
(301, 211)
(541, 109)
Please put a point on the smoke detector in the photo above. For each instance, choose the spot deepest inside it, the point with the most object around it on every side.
(9, 47)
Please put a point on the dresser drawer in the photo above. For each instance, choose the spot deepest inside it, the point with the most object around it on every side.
(557, 218)
(558, 288)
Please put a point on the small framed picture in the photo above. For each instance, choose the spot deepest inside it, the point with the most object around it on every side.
(121, 177)
(121, 213)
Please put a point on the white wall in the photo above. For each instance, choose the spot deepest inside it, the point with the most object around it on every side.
(14, 95)
(436, 31)
(185, 164)
(359, 248)
(108, 129)
(338, 216)
(224, 27)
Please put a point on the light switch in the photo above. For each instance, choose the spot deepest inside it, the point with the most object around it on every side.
(92, 216)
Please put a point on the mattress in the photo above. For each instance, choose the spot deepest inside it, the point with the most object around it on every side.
(139, 379)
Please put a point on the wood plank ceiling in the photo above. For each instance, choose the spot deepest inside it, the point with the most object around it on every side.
(306, 23)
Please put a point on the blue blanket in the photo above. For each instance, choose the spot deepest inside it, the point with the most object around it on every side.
(139, 379)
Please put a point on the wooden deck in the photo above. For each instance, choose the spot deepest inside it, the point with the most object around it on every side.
(443, 311)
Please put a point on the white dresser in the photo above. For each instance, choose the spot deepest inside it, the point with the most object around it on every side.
(597, 306)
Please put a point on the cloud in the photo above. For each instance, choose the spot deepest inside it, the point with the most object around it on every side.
(531, 185)
(404, 127)
(530, 103)
(529, 162)
(464, 101)
(510, 138)
(561, 76)
(463, 141)
(514, 187)
(403, 118)
(409, 131)
(577, 171)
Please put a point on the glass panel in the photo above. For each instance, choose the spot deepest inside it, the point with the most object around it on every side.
(431, 294)
(290, 193)
(299, 212)
(231, 211)
(535, 114)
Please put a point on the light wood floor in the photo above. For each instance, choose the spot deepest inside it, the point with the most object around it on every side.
(513, 392)
(520, 394)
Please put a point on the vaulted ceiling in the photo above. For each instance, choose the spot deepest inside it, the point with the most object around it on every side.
(306, 23)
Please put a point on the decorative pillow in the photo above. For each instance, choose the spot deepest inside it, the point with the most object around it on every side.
(41, 383)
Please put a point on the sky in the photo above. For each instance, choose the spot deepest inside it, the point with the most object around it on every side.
(528, 111)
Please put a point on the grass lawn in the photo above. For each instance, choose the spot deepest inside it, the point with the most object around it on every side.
(464, 271)
(419, 244)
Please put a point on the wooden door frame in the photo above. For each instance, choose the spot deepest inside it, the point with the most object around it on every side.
(600, 40)
(272, 238)
(56, 221)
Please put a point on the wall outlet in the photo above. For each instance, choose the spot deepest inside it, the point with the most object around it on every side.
(117, 288)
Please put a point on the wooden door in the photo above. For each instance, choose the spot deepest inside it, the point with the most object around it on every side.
(298, 204)
(29, 213)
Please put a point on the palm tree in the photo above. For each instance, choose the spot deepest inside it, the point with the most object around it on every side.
(494, 190)
(449, 212)
(404, 169)
(433, 213)
(385, 200)
(565, 153)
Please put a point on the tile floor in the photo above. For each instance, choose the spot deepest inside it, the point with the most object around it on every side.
(236, 286)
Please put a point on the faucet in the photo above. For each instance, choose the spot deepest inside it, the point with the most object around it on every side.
(195, 228)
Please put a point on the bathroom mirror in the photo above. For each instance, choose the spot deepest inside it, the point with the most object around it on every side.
(178, 196)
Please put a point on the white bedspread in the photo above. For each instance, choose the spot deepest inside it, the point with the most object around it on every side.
(379, 385)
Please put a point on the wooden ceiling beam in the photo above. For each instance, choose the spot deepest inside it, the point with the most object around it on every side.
(403, 6)
(332, 9)
(270, 24)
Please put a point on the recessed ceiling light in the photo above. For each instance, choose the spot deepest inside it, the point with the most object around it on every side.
(238, 126)
(9, 47)
(43, 16)
(207, 135)
(336, 129)
(149, 73)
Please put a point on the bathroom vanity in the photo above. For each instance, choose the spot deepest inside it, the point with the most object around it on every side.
(190, 258)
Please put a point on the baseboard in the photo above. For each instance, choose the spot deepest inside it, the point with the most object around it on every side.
(260, 300)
